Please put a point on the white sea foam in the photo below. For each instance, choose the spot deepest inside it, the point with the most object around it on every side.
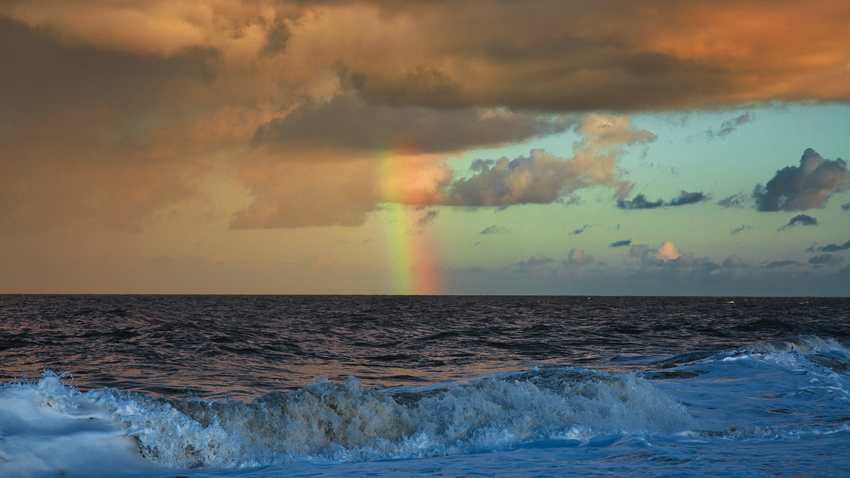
(334, 422)
(50, 429)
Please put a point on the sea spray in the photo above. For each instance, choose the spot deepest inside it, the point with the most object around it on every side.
(347, 422)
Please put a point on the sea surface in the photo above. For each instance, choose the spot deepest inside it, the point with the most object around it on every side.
(389, 386)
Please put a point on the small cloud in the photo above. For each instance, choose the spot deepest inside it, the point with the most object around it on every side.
(687, 198)
(800, 220)
(666, 252)
(534, 263)
(830, 247)
(577, 257)
(668, 256)
(808, 186)
(846, 207)
(737, 201)
(826, 259)
(729, 126)
(637, 250)
(582, 229)
(427, 218)
(494, 229)
(477, 243)
(779, 264)
(620, 243)
(743, 227)
(640, 201)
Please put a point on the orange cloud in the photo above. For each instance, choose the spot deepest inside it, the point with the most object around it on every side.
(107, 91)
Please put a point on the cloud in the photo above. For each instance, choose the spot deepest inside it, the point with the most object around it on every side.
(734, 262)
(141, 103)
(831, 247)
(620, 243)
(668, 256)
(687, 198)
(666, 252)
(494, 229)
(846, 207)
(800, 220)
(427, 218)
(535, 264)
(780, 264)
(348, 122)
(736, 201)
(826, 259)
(640, 201)
(562, 55)
(743, 227)
(568, 55)
(804, 187)
(729, 126)
(579, 258)
(580, 230)
(307, 188)
(68, 158)
(543, 178)
(307, 194)
(540, 178)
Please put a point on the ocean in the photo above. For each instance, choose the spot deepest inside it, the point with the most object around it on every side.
(424, 386)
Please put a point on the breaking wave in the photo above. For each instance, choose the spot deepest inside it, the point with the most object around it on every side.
(346, 422)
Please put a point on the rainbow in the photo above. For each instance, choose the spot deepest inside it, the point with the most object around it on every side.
(412, 262)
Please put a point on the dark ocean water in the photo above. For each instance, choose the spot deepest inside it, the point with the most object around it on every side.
(268, 386)
(243, 346)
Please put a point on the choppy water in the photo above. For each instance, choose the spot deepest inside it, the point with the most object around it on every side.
(423, 386)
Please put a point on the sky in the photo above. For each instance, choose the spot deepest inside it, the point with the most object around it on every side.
(612, 147)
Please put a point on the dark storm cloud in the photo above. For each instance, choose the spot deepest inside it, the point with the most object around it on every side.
(347, 122)
(60, 162)
(615, 55)
(560, 55)
(580, 230)
(846, 207)
(640, 201)
(800, 220)
(43, 75)
(624, 243)
(796, 188)
(826, 259)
